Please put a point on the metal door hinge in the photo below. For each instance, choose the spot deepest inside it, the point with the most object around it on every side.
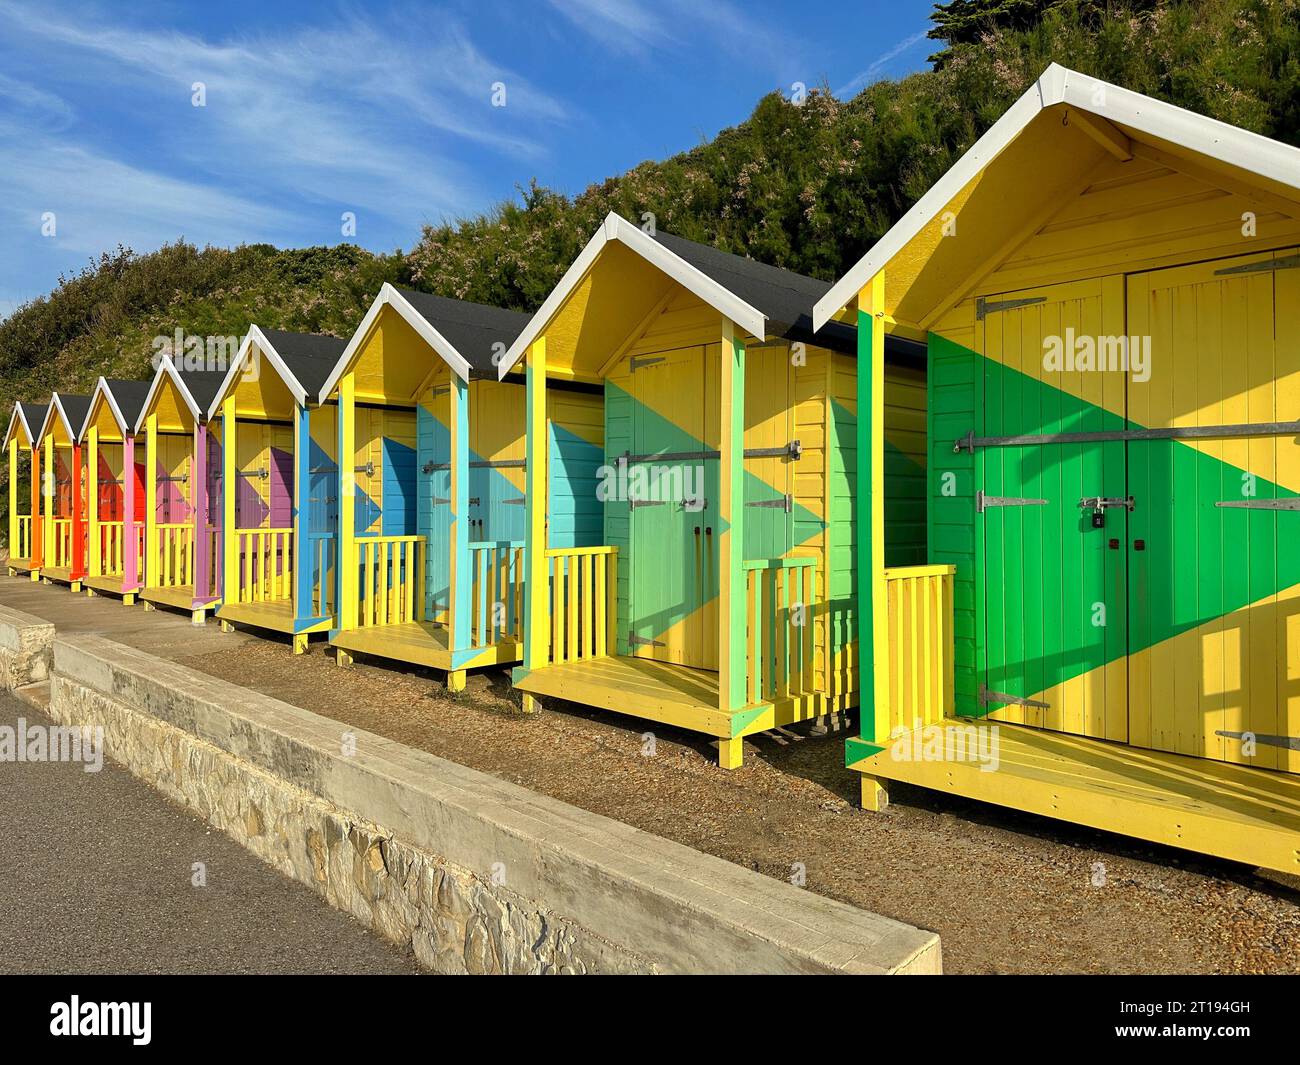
(368, 469)
(983, 502)
(635, 362)
(984, 307)
(1260, 504)
(1291, 743)
(521, 501)
(634, 503)
(642, 641)
(987, 696)
(1289, 262)
(784, 502)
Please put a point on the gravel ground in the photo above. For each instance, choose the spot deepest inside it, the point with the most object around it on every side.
(1008, 892)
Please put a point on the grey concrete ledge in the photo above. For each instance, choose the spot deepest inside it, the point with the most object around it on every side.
(26, 644)
(661, 906)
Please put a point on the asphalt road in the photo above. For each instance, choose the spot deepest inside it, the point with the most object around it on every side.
(95, 877)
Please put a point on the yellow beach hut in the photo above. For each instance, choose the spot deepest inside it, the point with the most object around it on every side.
(115, 489)
(280, 484)
(25, 535)
(720, 595)
(432, 483)
(63, 506)
(182, 485)
(1113, 478)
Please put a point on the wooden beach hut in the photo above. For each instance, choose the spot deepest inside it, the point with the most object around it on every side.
(431, 530)
(25, 534)
(115, 489)
(64, 489)
(719, 595)
(1108, 631)
(280, 503)
(182, 515)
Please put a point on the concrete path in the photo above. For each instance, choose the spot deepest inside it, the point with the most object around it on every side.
(97, 877)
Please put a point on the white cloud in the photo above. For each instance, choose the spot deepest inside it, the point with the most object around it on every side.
(635, 27)
(880, 63)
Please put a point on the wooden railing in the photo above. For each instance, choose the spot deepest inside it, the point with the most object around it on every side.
(173, 567)
(919, 646)
(583, 589)
(496, 602)
(62, 543)
(22, 545)
(112, 556)
(392, 579)
(265, 568)
(322, 555)
(779, 632)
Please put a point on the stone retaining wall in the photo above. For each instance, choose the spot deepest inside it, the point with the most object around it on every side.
(26, 644)
(476, 874)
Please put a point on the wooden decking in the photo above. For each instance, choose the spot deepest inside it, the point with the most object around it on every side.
(276, 615)
(106, 583)
(20, 565)
(1230, 811)
(421, 643)
(62, 574)
(660, 691)
(179, 597)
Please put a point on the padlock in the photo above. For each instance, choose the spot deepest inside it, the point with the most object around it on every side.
(1099, 518)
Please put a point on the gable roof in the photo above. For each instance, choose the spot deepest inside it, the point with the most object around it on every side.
(765, 301)
(196, 388)
(26, 415)
(1111, 117)
(465, 335)
(70, 410)
(303, 361)
(124, 398)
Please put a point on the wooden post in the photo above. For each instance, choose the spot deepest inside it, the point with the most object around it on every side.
(38, 526)
(150, 500)
(303, 558)
(230, 486)
(48, 491)
(13, 500)
(199, 500)
(77, 538)
(96, 563)
(346, 601)
(461, 582)
(873, 620)
(130, 566)
(731, 526)
(537, 628)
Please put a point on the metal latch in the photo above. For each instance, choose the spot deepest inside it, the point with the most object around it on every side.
(983, 502)
(368, 469)
(1098, 505)
(987, 696)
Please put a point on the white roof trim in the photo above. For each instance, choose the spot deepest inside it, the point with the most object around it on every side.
(1059, 85)
(390, 297)
(615, 227)
(22, 418)
(166, 368)
(102, 386)
(57, 404)
(256, 336)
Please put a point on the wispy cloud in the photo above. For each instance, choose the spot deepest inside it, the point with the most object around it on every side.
(635, 27)
(879, 64)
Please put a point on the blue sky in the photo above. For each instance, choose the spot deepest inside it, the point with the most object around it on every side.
(385, 110)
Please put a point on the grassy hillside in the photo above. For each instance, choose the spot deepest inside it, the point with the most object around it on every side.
(808, 187)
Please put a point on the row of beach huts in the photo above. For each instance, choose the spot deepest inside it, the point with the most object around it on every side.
(1018, 493)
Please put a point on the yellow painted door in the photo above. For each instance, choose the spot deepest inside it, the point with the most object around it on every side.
(1214, 565)
(1052, 591)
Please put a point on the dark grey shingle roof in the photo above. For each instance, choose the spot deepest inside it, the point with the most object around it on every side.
(129, 397)
(477, 331)
(784, 297)
(75, 408)
(309, 356)
(35, 415)
(203, 386)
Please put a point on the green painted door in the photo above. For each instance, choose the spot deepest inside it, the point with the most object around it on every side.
(1052, 593)
(672, 563)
